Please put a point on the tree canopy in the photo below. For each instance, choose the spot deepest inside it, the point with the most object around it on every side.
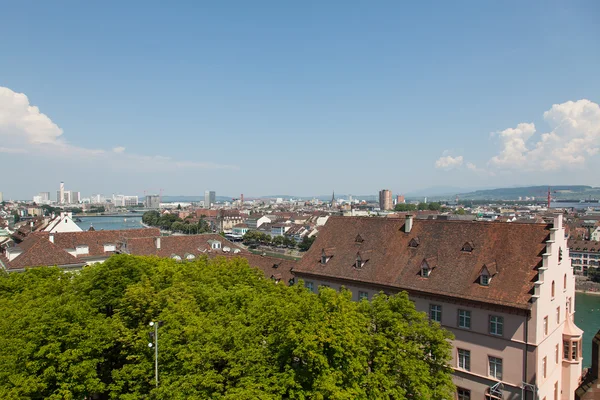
(173, 223)
(228, 333)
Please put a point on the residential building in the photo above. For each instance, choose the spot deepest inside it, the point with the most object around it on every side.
(595, 236)
(210, 198)
(385, 199)
(279, 229)
(239, 230)
(506, 292)
(255, 221)
(1, 197)
(125, 201)
(400, 199)
(152, 201)
(585, 254)
(62, 223)
(68, 250)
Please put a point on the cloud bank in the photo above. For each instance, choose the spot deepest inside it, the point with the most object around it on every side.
(25, 129)
(449, 162)
(573, 138)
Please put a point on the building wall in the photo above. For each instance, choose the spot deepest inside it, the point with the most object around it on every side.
(524, 343)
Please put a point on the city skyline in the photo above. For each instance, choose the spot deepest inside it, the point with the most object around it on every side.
(471, 96)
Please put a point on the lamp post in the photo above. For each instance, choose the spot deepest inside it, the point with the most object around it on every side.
(154, 335)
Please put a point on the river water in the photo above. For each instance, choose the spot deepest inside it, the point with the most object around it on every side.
(587, 318)
(116, 222)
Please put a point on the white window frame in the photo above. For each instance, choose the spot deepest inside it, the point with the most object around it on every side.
(464, 359)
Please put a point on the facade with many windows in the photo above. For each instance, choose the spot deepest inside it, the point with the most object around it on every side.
(506, 292)
(584, 254)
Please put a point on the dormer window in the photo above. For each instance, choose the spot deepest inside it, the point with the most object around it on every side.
(324, 257)
(467, 247)
(427, 266)
(484, 280)
(359, 261)
(425, 270)
(488, 271)
(414, 242)
(359, 239)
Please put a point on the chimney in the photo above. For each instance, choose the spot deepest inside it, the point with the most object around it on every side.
(51, 237)
(157, 243)
(408, 223)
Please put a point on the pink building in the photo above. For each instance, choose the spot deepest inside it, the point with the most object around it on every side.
(505, 290)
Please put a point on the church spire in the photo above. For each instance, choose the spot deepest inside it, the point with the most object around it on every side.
(333, 199)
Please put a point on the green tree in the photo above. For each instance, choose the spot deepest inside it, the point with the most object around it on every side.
(179, 206)
(277, 241)
(403, 207)
(460, 211)
(434, 206)
(306, 242)
(228, 333)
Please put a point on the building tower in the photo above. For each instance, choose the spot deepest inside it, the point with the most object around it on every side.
(61, 197)
(333, 202)
(385, 199)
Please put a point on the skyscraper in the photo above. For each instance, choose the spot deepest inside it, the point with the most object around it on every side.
(60, 194)
(210, 198)
(385, 199)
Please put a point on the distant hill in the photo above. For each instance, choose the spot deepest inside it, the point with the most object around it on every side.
(560, 192)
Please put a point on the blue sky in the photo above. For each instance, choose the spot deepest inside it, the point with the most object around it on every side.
(271, 97)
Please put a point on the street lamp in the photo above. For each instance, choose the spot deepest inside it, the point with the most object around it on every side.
(154, 335)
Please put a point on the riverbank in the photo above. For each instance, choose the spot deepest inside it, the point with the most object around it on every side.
(588, 292)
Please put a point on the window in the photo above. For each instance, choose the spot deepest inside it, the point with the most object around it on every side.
(496, 325)
(468, 247)
(545, 325)
(435, 312)
(556, 355)
(464, 319)
(324, 257)
(574, 350)
(484, 280)
(359, 261)
(544, 367)
(309, 286)
(363, 296)
(425, 270)
(565, 282)
(556, 390)
(558, 315)
(495, 367)
(464, 359)
(553, 288)
(463, 394)
(414, 242)
(566, 345)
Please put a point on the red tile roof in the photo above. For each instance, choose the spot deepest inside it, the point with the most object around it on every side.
(178, 245)
(38, 251)
(95, 240)
(388, 259)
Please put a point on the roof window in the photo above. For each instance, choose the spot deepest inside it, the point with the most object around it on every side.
(359, 239)
(414, 242)
(467, 247)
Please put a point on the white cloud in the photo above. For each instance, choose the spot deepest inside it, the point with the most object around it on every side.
(26, 129)
(449, 162)
(19, 118)
(574, 136)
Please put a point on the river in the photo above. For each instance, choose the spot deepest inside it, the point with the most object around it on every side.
(587, 318)
(115, 222)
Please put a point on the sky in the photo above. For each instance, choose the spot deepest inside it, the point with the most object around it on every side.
(297, 98)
